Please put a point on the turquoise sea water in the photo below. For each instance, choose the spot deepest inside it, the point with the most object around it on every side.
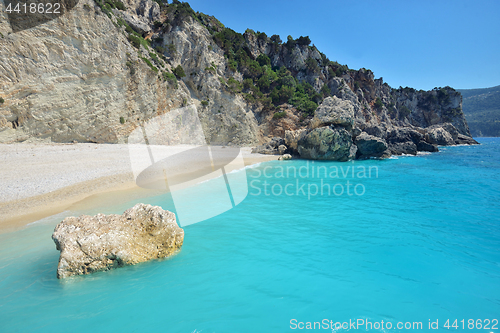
(421, 243)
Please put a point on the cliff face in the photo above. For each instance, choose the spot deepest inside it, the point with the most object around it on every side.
(68, 80)
(96, 73)
(79, 78)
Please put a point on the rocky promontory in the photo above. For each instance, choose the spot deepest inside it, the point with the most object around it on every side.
(98, 243)
(337, 133)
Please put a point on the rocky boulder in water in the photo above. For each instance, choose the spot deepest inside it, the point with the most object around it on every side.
(327, 143)
(371, 146)
(98, 243)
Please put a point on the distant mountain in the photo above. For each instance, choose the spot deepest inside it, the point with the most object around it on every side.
(482, 110)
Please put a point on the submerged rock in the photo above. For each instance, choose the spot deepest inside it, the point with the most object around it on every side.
(98, 243)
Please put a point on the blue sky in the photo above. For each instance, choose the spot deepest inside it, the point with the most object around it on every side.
(420, 44)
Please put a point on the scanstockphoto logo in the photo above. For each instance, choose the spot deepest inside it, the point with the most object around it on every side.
(170, 153)
(312, 179)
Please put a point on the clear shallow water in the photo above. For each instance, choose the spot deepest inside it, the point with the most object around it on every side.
(422, 242)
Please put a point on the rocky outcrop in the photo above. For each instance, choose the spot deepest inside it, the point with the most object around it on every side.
(446, 134)
(439, 136)
(292, 140)
(465, 140)
(400, 148)
(334, 111)
(98, 243)
(403, 140)
(372, 139)
(425, 146)
(327, 143)
(139, 25)
(371, 146)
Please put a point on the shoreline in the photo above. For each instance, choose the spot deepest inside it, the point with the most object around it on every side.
(84, 186)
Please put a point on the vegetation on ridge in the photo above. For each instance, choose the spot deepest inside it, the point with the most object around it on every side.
(271, 86)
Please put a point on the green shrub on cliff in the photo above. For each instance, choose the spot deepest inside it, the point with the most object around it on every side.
(443, 96)
(325, 91)
(253, 69)
(305, 98)
(263, 60)
(170, 78)
(378, 103)
(287, 80)
(279, 115)
(264, 83)
(181, 11)
(172, 50)
(404, 112)
(249, 98)
(146, 60)
(179, 72)
(391, 109)
(282, 95)
(116, 4)
(303, 40)
(2, 100)
(276, 39)
(331, 72)
(129, 30)
(262, 36)
(234, 85)
(155, 58)
(137, 41)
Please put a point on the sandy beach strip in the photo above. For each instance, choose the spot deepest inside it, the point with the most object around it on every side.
(40, 180)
